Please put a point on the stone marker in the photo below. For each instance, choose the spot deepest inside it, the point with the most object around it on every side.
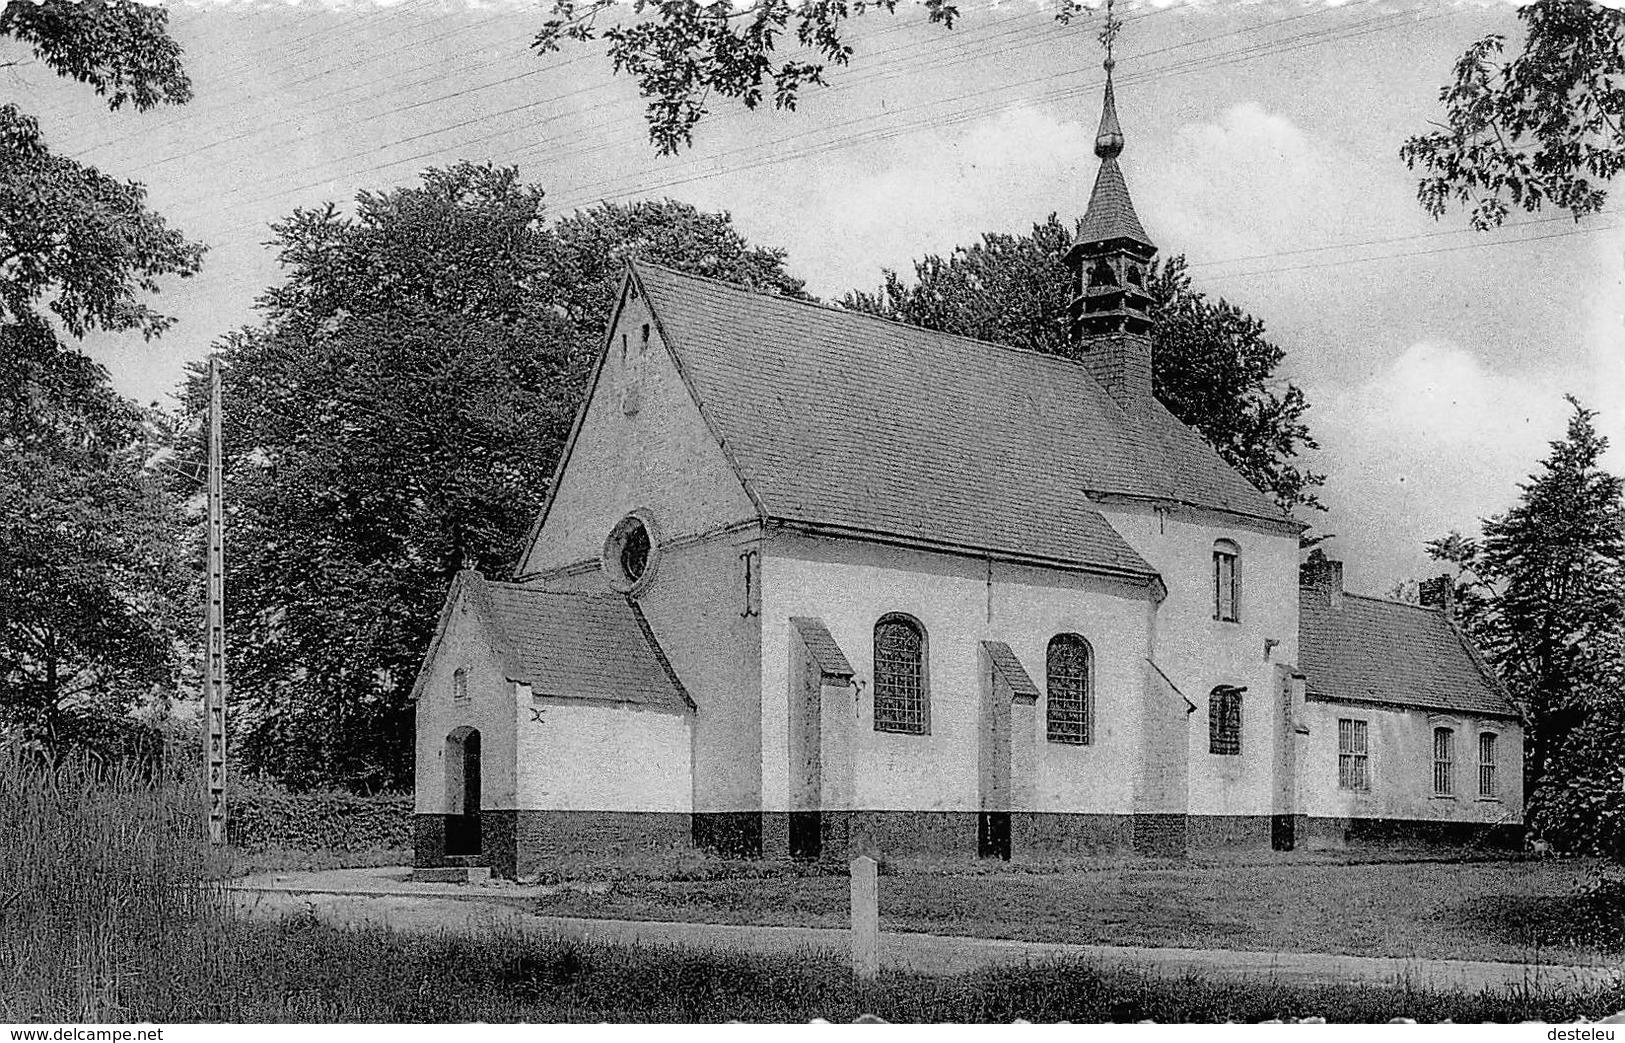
(865, 920)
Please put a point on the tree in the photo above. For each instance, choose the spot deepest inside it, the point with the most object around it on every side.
(400, 409)
(93, 564)
(1543, 594)
(685, 51)
(90, 551)
(1212, 365)
(1544, 127)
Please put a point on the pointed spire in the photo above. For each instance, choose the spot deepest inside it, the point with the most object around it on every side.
(1111, 212)
(1109, 138)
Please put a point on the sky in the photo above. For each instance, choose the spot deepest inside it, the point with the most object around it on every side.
(1262, 143)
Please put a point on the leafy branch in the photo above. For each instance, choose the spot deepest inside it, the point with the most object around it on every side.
(1541, 128)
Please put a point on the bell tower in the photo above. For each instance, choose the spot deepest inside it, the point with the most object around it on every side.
(1110, 261)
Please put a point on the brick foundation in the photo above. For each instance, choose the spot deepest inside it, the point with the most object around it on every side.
(731, 834)
(1161, 835)
(1325, 833)
(1048, 834)
(428, 841)
(1206, 832)
(541, 837)
(522, 843)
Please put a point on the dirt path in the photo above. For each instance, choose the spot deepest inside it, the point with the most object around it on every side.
(386, 897)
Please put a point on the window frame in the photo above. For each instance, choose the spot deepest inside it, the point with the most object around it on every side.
(1489, 781)
(1224, 720)
(1354, 754)
(459, 686)
(1444, 761)
(923, 682)
(1226, 552)
(1084, 735)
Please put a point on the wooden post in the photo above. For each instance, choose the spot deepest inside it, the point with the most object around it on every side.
(214, 625)
(865, 920)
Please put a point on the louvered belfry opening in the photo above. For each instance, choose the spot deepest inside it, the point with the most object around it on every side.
(1110, 259)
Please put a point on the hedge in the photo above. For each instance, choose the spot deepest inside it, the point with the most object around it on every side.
(264, 817)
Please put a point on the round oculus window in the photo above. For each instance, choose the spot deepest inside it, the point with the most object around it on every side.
(629, 554)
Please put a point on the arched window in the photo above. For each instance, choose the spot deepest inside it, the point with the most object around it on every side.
(459, 686)
(1069, 690)
(1444, 762)
(1224, 720)
(1226, 581)
(902, 701)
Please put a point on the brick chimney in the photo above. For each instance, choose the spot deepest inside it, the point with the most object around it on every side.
(1320, 578)
(1440, 593)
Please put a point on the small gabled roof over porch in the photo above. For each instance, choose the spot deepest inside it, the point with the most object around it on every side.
(595, 647)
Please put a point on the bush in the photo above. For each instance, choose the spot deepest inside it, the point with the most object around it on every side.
(265, 816)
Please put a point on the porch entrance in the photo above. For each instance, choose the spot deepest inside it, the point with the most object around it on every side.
(463, 792)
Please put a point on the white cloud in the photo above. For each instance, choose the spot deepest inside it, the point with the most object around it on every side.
(1434, 441)
(1249, 182)
(856, 211)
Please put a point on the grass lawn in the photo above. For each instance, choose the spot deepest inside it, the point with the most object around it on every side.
(1512, 910)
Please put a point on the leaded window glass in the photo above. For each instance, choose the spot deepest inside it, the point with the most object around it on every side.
(1069, 702)
(901, 701)
(1224, 721)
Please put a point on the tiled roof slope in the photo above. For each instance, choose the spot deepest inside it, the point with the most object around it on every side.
(822, 646)
(1111, 212)
(841, 419)
(1371, 650)
(582, 646)
(1009, 666)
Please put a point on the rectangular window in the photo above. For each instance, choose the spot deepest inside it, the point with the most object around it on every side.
(1353, 767)
(1486, 764)
(1224, 585)
(1444, 762)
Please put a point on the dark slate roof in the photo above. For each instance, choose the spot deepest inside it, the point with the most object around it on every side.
(1111, 212)
(1372, 650)
(578, 646)
(821, 645)
(1010, 669)
(843, 420)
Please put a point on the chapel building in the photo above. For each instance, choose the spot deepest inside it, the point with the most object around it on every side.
(810, 582)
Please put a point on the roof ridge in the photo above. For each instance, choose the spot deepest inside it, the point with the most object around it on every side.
(526, 588)
(838, 310)
(1390, 601)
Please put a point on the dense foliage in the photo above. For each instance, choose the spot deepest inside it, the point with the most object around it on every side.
(91, 566)
(1546, 126)
(1212, 365)
(399, 411)
(1543, 594)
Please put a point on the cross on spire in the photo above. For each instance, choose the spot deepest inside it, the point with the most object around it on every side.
(1108, 34)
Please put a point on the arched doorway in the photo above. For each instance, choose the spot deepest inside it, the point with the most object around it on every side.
(463, 792)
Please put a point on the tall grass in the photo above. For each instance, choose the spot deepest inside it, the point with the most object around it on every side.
(101, 880)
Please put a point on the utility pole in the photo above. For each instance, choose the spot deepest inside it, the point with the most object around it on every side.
(214, 623)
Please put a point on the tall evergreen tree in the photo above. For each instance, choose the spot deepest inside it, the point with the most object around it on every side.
(1543, 593)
